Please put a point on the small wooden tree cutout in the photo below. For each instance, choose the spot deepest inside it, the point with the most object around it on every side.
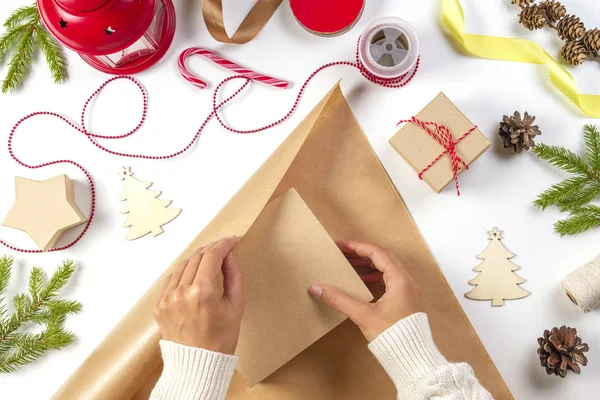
(146, 212)
(496, 280)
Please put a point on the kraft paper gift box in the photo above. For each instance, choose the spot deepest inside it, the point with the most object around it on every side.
(328, 160)
(420, 149)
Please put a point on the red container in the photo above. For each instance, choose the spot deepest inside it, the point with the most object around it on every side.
(113, 36)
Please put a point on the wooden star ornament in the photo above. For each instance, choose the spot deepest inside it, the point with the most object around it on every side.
(44, 209)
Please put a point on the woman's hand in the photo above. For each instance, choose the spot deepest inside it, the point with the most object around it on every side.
(193, 310)
(375, 265)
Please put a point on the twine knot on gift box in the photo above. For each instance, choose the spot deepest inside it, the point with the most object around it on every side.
(443, 136)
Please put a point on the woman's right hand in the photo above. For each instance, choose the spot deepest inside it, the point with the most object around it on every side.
(375, 265)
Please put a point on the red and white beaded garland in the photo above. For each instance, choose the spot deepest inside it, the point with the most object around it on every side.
(241, 73)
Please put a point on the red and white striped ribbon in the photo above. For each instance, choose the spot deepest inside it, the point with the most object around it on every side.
(230, 65)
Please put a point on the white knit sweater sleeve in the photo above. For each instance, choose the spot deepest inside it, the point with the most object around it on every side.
(405, 350)
(191, 373)
(408, 354)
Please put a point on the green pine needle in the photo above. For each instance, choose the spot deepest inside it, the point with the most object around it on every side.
(574, 194)
(20, 61)
(25, 35)
(59, 279)
(591, 136)
(40, 305)
(36, 281)
(53, 54)
(28, 14)
(562, 158)
(581, 220)
(9, 39)
(561, 192)
(6, 264)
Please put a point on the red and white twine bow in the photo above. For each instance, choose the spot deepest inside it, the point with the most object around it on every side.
(445, 139)
(240, 73)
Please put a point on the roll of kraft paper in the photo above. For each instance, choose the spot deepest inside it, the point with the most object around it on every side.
(389, 47)
(583, 285)
(327, 17)
(329, 161)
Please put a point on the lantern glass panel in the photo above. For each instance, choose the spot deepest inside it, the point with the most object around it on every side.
(145, 46)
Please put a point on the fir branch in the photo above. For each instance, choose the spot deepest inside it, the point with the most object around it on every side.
(563, 159)
(9, 39)
(27, 14)
(560, 192)
(20, 61)
(59, 279)
(583, 197)
(6, 264)
(63, 307)
(36, 281)
(591, 136)
(581, 220)
(42, 307)
(5, 272)
(573, 194)
(54, 55)
(26, 33)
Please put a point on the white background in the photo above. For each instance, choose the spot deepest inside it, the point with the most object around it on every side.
(497, 191)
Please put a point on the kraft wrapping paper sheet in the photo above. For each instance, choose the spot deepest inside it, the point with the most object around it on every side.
(285, 252)
(330, 162)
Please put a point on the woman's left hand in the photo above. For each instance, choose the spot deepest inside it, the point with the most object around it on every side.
(193, 310)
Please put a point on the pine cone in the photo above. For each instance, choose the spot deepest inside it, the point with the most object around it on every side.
(522, 3)
(570, 28)
(591, 41)
(554, 10)
(561, 350)
(518, 133)
(575, 52)
(533, 17)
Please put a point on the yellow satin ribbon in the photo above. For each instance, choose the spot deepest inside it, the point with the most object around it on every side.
(520, 50)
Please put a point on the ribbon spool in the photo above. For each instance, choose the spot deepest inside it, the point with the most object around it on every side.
(389, 47)
(583, 285)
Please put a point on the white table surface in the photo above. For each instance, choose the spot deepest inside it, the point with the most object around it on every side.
(497, 191)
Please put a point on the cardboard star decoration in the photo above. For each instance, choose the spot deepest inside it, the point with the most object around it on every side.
(44, 209)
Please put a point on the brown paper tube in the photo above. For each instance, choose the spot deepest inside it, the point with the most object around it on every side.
(331, 164)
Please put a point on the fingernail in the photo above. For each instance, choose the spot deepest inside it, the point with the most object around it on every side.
(316, 291)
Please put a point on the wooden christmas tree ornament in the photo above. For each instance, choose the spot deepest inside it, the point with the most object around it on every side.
(44, 209)
(496, 280)
(147, 213)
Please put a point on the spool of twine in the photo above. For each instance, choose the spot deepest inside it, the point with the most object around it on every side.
(583, 285)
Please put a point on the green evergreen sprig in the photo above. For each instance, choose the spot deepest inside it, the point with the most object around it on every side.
(41, 306)
(573, 194)
(24, 34)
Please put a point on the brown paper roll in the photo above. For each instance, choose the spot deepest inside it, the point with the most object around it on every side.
(331, 164)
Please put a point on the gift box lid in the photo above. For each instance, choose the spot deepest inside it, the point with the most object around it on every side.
(420, 149)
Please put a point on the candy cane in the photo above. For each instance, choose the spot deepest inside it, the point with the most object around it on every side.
(230, 65)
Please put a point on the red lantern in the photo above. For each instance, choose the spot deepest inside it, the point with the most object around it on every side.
(113, 36)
